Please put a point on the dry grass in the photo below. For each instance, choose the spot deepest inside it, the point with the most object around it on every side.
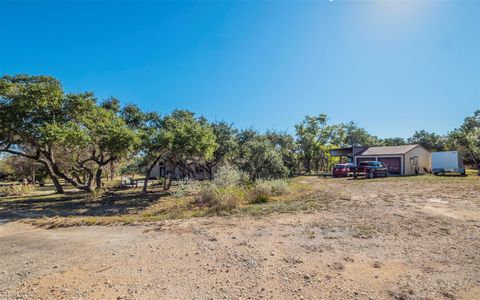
(16, 190)
(306, 193)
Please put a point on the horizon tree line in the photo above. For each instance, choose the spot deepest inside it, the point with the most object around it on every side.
(75, 138)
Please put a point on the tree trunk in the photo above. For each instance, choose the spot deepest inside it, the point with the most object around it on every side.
(147, 175)
(98, 178)
(84, 187)
(475, 161)
(210, 173)
(50, 163)
(87, 187)
(170, 178)
(50, 171)
(56, 183)
(111, 170)
(307, 165)
(33, 175)
(58, 186)
(209, 169)
(169, 184)
(54, 178)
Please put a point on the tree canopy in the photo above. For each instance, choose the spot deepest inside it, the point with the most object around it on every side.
(429, 140)
(74, 137)
(70, 134)
(466, 138)
(261, 160)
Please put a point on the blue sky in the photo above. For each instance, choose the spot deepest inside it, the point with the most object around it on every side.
(391, 66)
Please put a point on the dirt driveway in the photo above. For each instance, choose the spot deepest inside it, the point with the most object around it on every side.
(396, 238)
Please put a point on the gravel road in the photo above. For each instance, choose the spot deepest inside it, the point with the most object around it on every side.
(376, 243)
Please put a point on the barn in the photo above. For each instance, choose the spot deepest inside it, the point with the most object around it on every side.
(400, 160)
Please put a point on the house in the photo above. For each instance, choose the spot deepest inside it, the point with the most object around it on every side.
(163, 169)
(400, 160)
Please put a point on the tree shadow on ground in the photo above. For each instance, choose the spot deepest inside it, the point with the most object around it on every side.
(75, 204)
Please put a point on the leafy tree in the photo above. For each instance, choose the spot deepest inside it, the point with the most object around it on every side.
(466, 138)
(286, 145)
(227, 147)
(183, 138)
(133, 165)
(396, 141)
(27, 105)
(246, 135)
(261, 160)
(350, 135)
(107, 139)
(72, 136)
(429, 140)
(112, 104)
(313, 138)
(149, 128)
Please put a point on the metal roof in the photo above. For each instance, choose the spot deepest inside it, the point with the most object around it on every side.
(388, 150)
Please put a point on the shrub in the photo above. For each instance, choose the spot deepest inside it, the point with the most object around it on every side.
(229, 176)
(259, 199)
(16, 190)
(219, 199)
(185, 187)
(271, 187)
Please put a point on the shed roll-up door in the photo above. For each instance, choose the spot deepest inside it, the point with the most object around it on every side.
(393, 164)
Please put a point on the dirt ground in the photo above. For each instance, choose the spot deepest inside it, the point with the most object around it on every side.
(394, 238)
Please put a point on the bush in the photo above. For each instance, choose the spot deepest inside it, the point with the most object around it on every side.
(271, 187)
(16, 190)
(225, 192)
(185, 187)
(229, 190)
(259, 199)
(221, 198)
(229, 176)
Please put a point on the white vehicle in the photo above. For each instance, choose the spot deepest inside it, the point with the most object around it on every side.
(447, 162)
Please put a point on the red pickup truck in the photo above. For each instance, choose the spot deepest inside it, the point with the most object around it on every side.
(370, 169)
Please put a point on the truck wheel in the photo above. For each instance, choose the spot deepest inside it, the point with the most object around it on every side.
(371, 175)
